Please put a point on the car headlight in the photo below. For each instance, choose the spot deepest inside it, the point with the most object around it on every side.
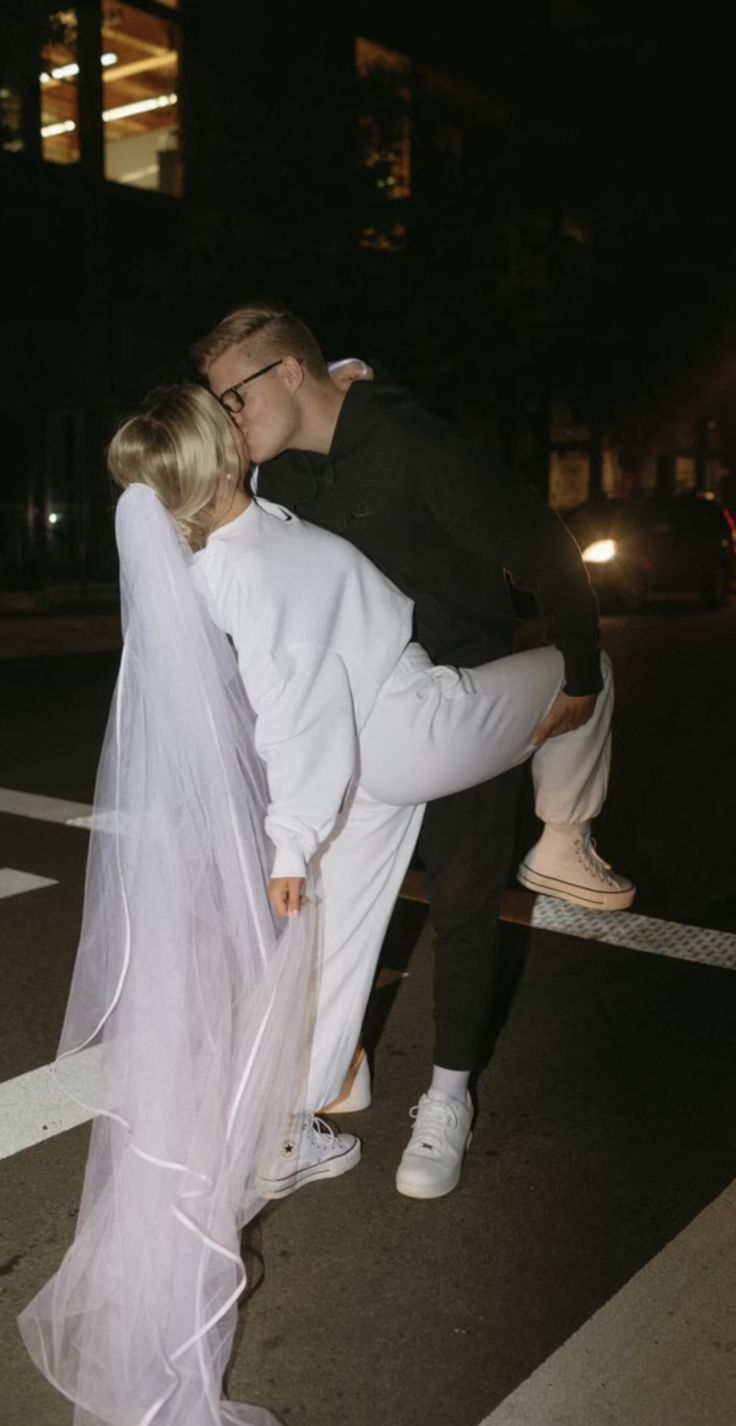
(600, 551)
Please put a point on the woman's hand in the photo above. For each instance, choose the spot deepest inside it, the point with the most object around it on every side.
(286, 894)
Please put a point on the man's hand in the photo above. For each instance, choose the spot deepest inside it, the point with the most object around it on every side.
(286, 894)
(344, 373)
(566, 714)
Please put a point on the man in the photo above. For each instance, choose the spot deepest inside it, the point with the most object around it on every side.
(373, 465)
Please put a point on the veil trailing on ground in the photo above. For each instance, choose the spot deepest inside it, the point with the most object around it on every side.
(197, 1006)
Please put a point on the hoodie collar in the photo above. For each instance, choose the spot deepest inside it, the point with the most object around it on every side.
(365, 403)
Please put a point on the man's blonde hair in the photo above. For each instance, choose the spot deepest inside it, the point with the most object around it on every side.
(266, 332)
(181, 443)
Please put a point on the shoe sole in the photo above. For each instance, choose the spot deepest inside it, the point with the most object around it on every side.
(575, 895)
(329, 1168)
(425, 1191)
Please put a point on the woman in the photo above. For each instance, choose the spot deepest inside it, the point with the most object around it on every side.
(217, 1031)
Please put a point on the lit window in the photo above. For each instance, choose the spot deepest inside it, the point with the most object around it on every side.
(11, 119)
(59, 89)
(140, 106)
(384, 90)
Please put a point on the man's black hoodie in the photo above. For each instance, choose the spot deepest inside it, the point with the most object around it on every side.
(444, 523)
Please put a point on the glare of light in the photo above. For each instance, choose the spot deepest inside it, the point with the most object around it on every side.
(137, 175)
(70, 71)
(125, 111)
(142, 106)
(54, 517)
(64, 71)
(600, 552)
(52, 131)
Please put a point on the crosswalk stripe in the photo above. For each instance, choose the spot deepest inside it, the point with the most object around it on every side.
(637, 933)
(545, 913)
(612, 928)
(661, 1349)
(14, 883)
(42, 809)
(34, 1107)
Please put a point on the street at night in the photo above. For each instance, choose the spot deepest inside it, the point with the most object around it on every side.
(598, 1189)
(367, 991)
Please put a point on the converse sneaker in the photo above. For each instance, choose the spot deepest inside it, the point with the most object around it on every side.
(314, 1150)
(432, 1161)
(571, 869)
(356, 1090)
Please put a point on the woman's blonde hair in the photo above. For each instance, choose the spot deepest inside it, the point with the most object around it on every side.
(181, 444)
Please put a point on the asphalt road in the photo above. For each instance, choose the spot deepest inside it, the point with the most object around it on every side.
(593, 1218)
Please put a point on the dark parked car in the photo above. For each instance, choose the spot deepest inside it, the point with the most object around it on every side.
(647, 547)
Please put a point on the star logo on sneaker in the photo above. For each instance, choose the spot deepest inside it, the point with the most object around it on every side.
(316, 1151)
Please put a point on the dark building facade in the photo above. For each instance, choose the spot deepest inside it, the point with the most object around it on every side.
(418, 186)
(162, 161)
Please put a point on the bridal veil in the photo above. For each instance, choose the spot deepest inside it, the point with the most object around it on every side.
(196, 1004)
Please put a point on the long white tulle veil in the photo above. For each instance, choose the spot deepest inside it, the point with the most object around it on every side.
(195, 1007)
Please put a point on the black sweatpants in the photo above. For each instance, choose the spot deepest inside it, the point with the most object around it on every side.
(466, 845)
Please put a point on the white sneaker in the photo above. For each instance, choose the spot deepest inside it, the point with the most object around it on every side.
(571, 869)
(315, 1150)
(356, 1090)
(432, 1161)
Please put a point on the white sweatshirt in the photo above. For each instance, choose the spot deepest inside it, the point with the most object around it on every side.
(317, 630)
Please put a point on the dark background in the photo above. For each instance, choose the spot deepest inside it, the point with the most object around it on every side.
(565, 272)
(563, 283)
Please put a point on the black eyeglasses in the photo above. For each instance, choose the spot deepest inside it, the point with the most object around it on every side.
(232, 400)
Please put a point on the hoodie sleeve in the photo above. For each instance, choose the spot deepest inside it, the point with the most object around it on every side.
(307, 737)
(493, 513)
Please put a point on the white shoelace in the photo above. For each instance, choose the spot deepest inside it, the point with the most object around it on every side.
(320, 1129)
(589, 858)
(432, 1118)
(316, 1131)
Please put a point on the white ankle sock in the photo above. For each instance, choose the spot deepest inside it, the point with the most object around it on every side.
(451, 1084)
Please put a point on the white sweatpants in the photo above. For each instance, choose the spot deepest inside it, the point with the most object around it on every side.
(435, 731)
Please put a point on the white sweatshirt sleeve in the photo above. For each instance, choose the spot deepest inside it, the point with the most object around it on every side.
(306, 735)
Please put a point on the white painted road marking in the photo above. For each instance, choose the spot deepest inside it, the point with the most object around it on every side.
(14, 883)
(34, 1107)
(659, 1353)
(545, 913)
(623, 928)
(640, 933)
(41, 809)
(637, 933)
(48, 1111)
